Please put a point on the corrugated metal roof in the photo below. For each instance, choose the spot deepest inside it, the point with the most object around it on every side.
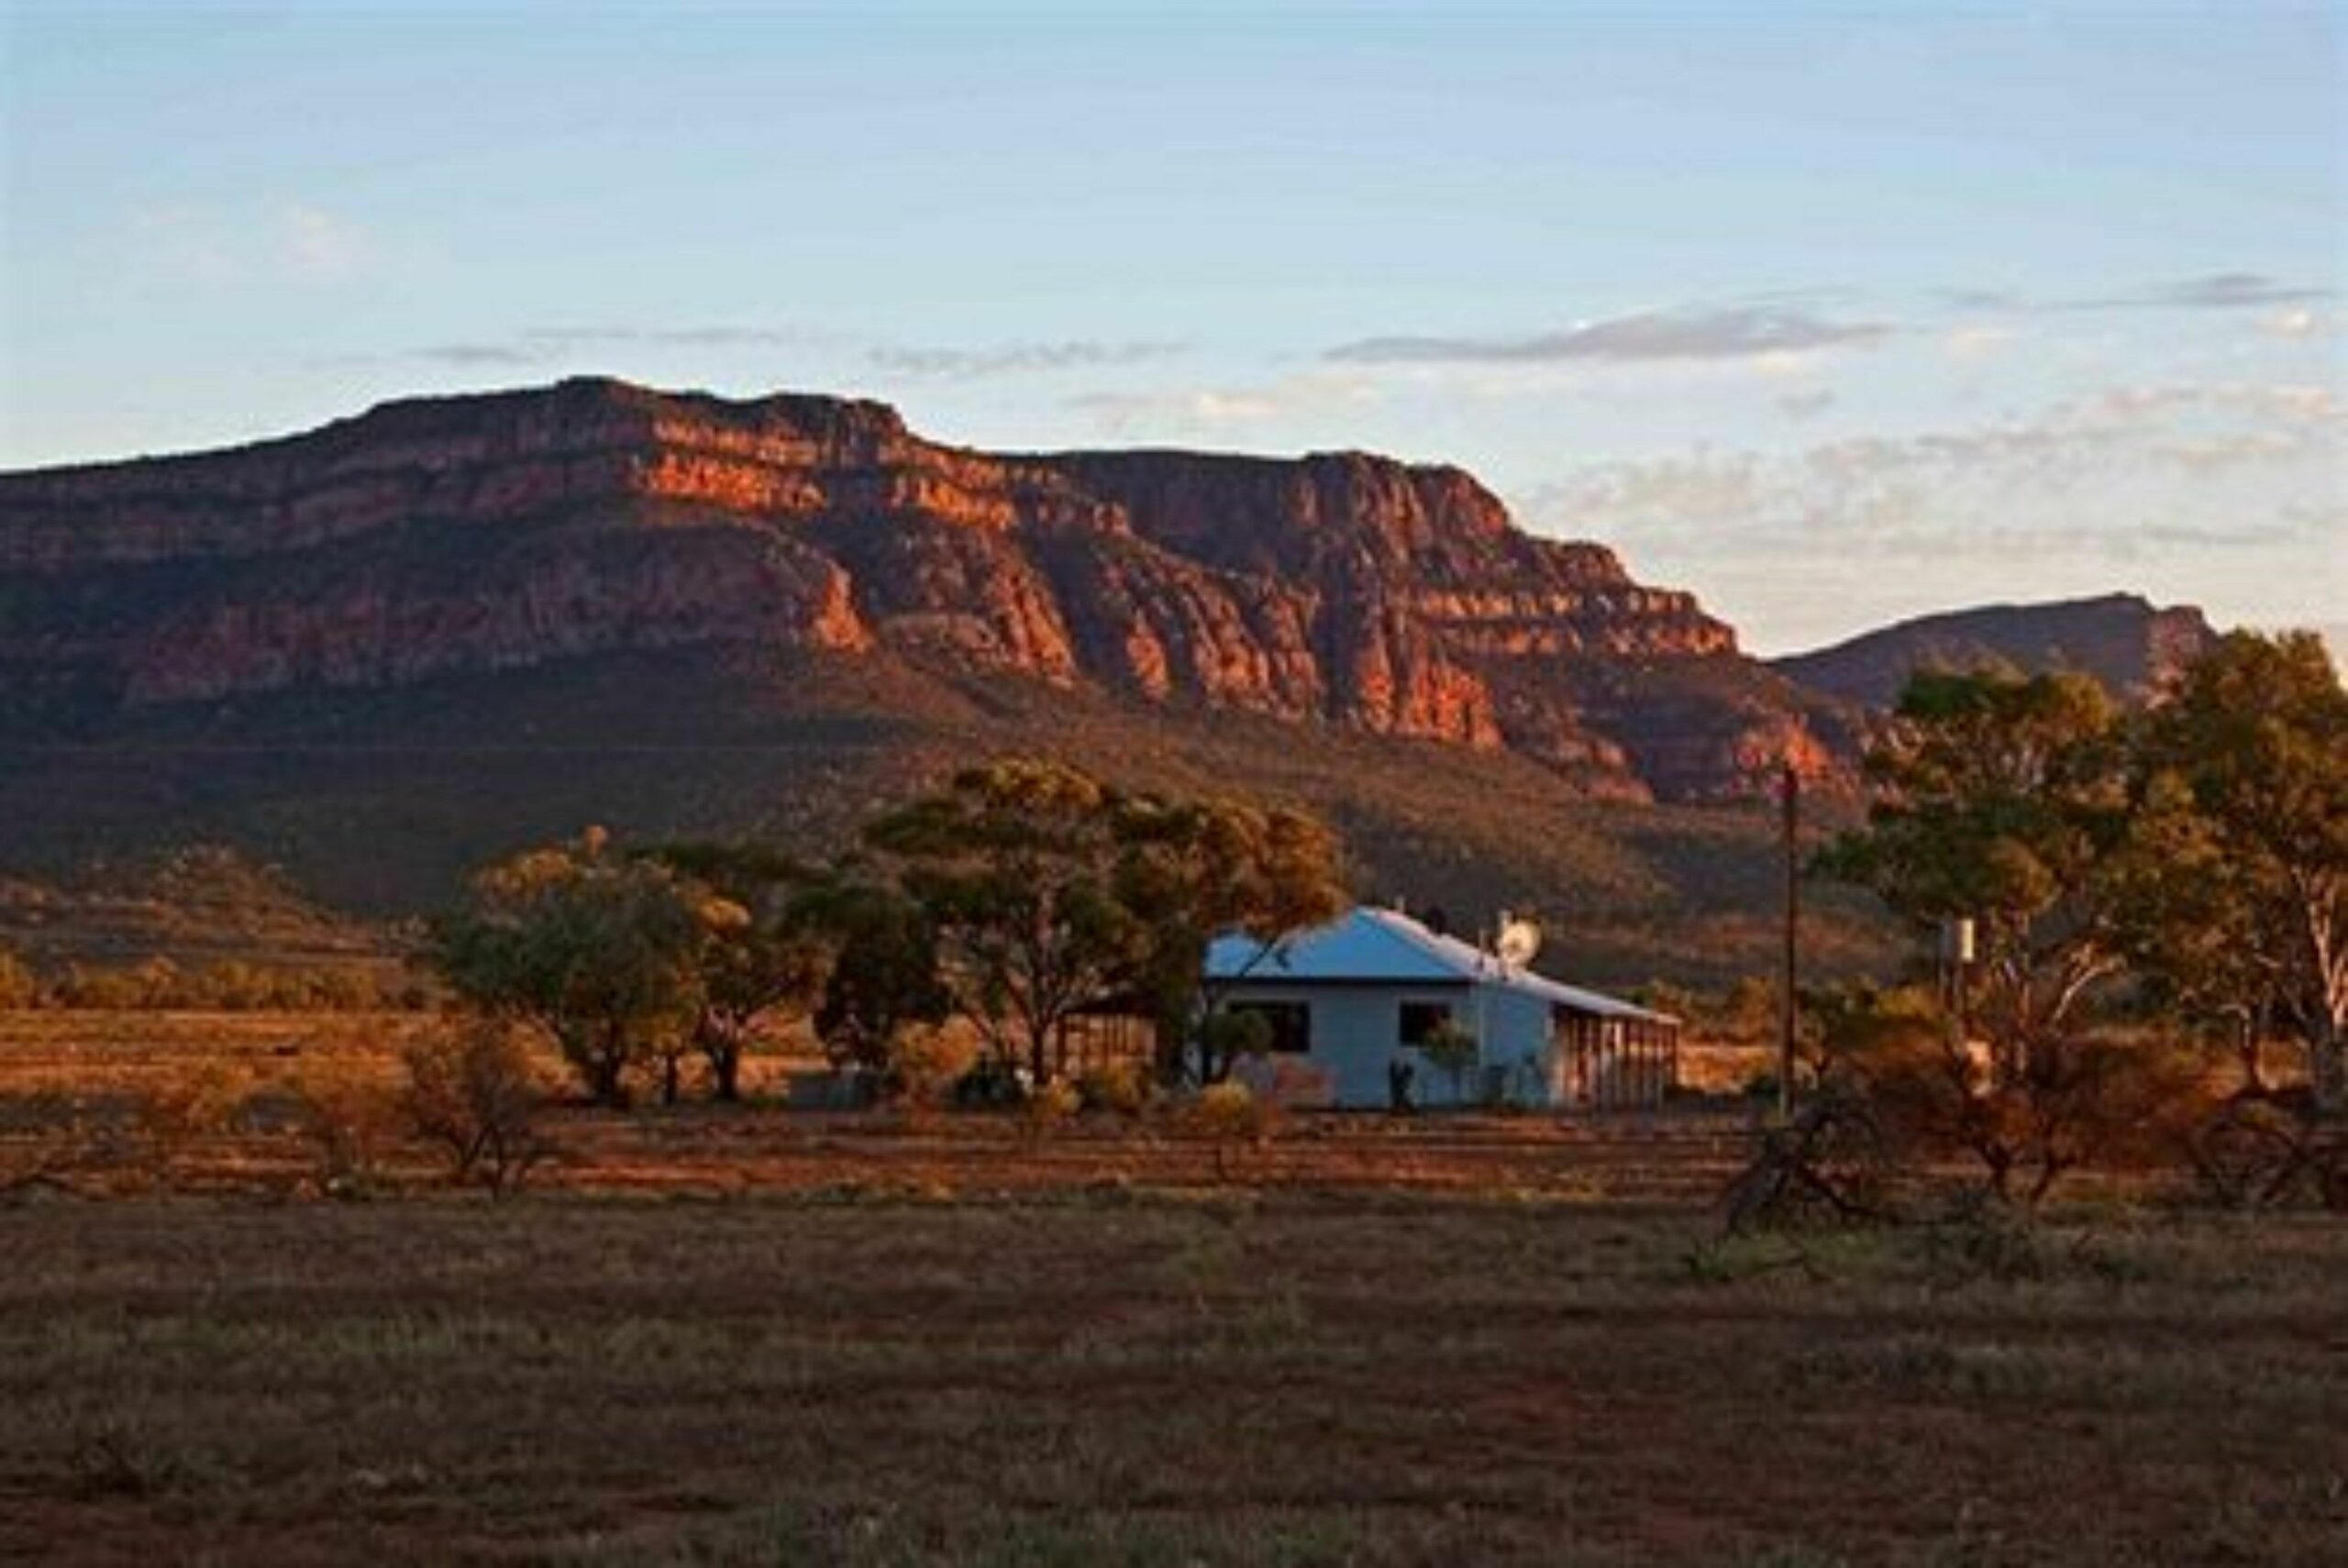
(1372, 944)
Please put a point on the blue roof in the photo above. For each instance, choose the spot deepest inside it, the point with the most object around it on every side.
(1374, 945)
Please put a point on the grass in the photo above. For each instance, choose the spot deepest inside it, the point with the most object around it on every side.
(1260, 1378)
(752, 1336)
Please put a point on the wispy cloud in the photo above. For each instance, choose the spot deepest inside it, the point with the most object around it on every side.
(2299, 321)
(301, 243)
(1209, 409)
(2224, 466)
(1727, 332)
(2205, 291)
(558, 343)
(708, 336)
(314, 244)
(2232, 291)
(1019, 358)
(479, 353)
(1976, 340)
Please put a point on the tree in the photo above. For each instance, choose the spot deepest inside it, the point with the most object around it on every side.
(2242, 772)
(1015, 865)
(751, 969)
(1051, 893)
(471, 1089)
(880, 966)
(599, 950)
(2001, 800)
(1193, 871)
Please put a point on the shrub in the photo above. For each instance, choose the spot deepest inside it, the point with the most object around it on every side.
(1229, 1036)
(1119, 1087)
(19, 987)
(347, 1121)
(2078, 1103)
(472, 1091)
(175, 1119)
(925, 1062)
(1450, 1048)
(1899, 1092)
(1226, 1114)
(1051, 1105)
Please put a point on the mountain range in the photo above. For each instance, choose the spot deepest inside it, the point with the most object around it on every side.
(381, 650)
(2124, 641)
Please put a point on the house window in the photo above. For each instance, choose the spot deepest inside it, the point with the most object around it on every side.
(1421, 1019)
(1292, 1023)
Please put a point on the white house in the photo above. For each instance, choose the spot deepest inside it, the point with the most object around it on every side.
(1348, 1001)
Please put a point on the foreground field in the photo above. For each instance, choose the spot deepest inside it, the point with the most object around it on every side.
(1235, 1377)
(754, 1335)
(82, 1085)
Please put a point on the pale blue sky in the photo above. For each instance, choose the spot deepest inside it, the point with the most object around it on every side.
(1831, 312)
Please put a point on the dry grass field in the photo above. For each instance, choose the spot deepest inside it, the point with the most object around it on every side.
(761, 1337)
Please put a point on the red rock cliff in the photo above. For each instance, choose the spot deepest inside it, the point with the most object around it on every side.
(468, 534)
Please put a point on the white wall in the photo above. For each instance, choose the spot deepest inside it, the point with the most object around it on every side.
(1357, 1034)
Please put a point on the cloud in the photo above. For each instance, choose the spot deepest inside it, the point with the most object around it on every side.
(2232, 291)
(1981, 298)
(538, 346)
(1976, 341)
(2207, 291)
(1220, 408)
(477, 354)
(548, 344)
(315, 245)
(290, 242)
(1018, 358)
(2217, 467)
(2286, 301)
(719, 336)
(1806, 404)
(1731, 332)
(2299, 321)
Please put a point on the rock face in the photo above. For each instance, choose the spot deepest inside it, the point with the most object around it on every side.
(2121, 640)
(464, 534)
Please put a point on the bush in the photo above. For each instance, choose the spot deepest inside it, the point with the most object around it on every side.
(1051, 1105)
(2075, 1104)
(1229, 1114)
(19, 987)
(1121, 1088)
(924, 1063)
(1896, 1077)
(1450, 1048)
(1229, 1036)
(175, 1119)
(348, 1122)
(472, 1091)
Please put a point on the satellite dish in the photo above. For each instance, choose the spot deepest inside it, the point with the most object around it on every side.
(1520, 939)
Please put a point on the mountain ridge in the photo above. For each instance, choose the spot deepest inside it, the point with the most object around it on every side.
(382, 652)
(441, 536)
(2128, 644)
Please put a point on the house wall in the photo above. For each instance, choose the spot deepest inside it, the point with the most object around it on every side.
(1517, 1065)
(1357, 1034)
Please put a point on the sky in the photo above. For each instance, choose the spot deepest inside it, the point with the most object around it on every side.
(1831, 314)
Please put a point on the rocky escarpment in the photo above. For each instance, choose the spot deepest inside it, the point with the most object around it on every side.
(475, 533)
(2124, 641)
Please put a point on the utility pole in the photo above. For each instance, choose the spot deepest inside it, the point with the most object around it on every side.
(1789, 793)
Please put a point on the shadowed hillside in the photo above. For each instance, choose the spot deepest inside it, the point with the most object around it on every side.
(379, 800)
